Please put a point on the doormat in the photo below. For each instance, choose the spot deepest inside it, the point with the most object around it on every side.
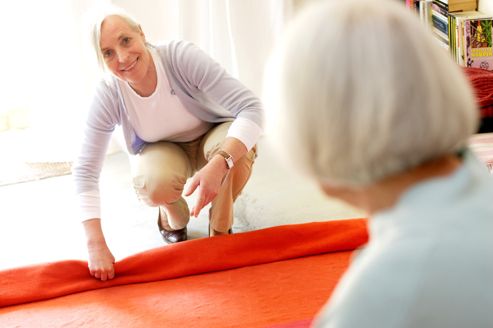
(33, 171)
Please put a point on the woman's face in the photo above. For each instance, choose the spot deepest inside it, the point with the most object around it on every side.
(124, 50)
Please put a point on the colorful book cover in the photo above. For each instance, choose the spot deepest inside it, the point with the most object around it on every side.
(457, 31)
(479, 49)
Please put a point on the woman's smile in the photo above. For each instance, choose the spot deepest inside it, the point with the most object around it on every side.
(129, 67)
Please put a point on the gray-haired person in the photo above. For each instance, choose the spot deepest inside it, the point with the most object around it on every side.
(362, 99)
(182, 116)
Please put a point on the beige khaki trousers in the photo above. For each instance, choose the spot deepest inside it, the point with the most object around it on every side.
(161, 170)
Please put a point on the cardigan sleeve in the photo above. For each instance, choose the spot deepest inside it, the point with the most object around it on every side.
(100, 123)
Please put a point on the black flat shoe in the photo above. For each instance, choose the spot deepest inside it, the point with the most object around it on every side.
(174, 236)
(171, 236)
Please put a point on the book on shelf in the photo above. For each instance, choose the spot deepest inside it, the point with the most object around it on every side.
(479, 51)
(458, 27)
(470, 39)
(459, 5)
(435, 14)
(451, 5)
(440, 22)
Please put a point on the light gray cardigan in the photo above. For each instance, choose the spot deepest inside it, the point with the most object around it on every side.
(201, 84)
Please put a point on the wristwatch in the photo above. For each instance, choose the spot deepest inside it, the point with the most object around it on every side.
(227, 157)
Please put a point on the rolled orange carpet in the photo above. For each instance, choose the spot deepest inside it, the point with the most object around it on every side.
(276, 277)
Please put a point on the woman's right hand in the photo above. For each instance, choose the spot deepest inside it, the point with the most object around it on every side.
(101, 261)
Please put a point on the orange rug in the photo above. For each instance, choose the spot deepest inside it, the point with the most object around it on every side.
(276, 277)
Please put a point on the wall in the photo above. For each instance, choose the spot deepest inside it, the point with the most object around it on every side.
(485, 6)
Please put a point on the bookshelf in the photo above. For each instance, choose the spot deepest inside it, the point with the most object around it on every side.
(436, 14)
(465, 29)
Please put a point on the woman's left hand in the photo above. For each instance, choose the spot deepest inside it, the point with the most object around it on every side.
(209, 179)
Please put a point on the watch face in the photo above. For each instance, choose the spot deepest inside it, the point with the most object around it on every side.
(228, 158)
(230, 163)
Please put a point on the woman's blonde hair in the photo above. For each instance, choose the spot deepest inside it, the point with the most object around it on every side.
(358, 90)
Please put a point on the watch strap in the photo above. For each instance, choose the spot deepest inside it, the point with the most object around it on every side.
(227, 157)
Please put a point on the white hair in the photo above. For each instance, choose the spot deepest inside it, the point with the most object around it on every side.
(358, 90)
(97, 17)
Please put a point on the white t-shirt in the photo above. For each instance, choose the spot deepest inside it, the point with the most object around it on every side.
(161, 116)
(429, 261)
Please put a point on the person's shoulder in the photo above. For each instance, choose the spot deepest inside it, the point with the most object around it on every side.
(170, 49)
(106, 85)
(179, 43)
(370, 293)
(105, 92)
(171, 45)
(390, 267)
(179, 47)
(182, 54)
